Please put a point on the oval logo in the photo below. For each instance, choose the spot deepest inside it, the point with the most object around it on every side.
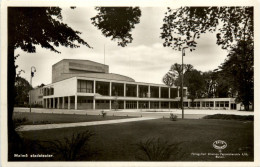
(219, 144)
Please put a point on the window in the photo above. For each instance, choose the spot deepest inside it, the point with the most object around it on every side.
(154, 104)
(131, 90)
(131, 104)
(154, 92)
(226, 103)
(85, 86)
(142, 91)
(117, 89)
(143, 104)
(164, 92)
(174, 92)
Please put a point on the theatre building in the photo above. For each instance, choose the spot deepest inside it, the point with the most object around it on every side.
(84, 84)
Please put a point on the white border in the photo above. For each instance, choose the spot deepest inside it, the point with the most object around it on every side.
(142, 3)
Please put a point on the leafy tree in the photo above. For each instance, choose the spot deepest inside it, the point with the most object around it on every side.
(239, 69)
(195, 82)
(117, 22)
(231, 24)
(22, 88)
(31, 26)
(234, 28)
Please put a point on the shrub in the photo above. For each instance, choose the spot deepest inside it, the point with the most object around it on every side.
(157, 150)
(71, 148)
(19, 121)
(103, 113)
(173, 117)
(230, 117)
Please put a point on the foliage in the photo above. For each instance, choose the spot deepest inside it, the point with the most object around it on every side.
(230, 117)
(173, 117)
(231, 24)
(72, 148)
(173, 76)
(117, 22)
(22, 88)
(195, 83)
(157, 150)
(19, 121)
(103, 113)
(30, 26)
(239, 69)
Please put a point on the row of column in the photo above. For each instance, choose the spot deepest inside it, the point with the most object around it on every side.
(137, 90)
(51, 103)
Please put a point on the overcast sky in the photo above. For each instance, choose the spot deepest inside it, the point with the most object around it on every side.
(145, 59)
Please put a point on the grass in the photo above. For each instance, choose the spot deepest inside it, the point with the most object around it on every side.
(230, 117)
(118, 142)
(45, 118)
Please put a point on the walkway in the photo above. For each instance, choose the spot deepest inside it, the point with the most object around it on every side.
(68, 125)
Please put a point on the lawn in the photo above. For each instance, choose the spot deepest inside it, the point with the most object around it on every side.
(117, 142)
(26, 118)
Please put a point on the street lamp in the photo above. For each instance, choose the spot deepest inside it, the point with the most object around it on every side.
(190, 44)
(33, 70)
(182, 108)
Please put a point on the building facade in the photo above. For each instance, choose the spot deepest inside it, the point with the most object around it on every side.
(83, 84)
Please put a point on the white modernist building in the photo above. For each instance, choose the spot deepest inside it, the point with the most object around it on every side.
(83, 84)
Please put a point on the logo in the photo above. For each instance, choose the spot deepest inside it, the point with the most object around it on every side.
(219, 145)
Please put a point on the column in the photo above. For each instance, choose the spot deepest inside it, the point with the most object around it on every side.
(68, 102)
(110, 105)
(149, 104)
(58, 103)
(124, 89)
(53, 102)
(137, 91)
(124, 104)
(49, 102)
(110, 88)
(76, 102)
(137, 103)
(160, 105)
(214, 104)
(94, 103)
(169, 93)
(63, 102)
(159, 92)
(94, 86)
(149, 92)
(178, 93)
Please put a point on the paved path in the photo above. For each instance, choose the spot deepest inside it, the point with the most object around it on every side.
(68, 125)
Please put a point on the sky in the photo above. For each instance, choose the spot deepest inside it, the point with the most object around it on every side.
(144, 60)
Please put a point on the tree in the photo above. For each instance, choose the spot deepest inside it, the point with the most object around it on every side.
(31, 26)
(194, 81)
(181, 24)
(173, 76)
(234, 27)
(239, 69)
(22, 88)
(117, 22)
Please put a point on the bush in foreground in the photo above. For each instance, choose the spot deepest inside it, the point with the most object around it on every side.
(75, 147)
(158, 150)
(230, 117)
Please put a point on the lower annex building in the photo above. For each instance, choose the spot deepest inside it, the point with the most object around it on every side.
(84, 84)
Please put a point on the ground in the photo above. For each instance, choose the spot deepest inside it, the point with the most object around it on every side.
(117, 142)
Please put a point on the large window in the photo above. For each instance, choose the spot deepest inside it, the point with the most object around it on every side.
(154, 104)
(174, 92)
(154, 92)
(48, 91)
(143, 104)
(85, 86)
(102, 88)
(131, 104)
(164, 92)
(142, 91)
(117, 89)
(131, 90)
